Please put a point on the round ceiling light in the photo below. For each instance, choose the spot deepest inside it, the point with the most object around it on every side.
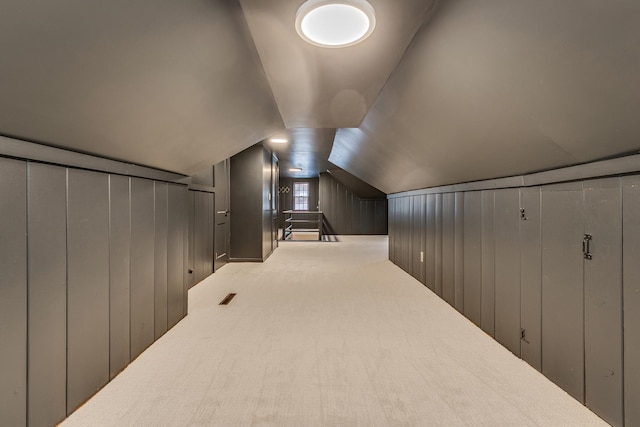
(335, 23)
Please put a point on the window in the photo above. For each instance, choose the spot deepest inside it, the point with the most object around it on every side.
(300, 196)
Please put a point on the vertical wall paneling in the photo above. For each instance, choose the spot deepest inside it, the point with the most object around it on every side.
(417, 237)
(507, 268)
(88, 285)
(119, 273)
(175, 252)
(47, 243)
(562, 287)
(210, 257)
(603, 300)
(487, 311)
(631, 281)
(531, 277)
(448, 247)
(473, 256)
(160, 258)
(199, 236)
(142, 265)
(13, 293)
(459, 252)
(430, 242)
(438, 240)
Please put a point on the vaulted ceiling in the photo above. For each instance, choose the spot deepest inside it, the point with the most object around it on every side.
(442, 92)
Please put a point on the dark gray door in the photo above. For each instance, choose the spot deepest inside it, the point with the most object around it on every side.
(430, 241)
(88, 285)
(221, 252)
(472, 256)
(47, 224)
(562, 287)
(417, 238)
(530, 277)
(487, 311)
(603, 299)
(459, 253)
(507, 268)
(13, 292)
(631, 279)
(438, 244)
(448, 247)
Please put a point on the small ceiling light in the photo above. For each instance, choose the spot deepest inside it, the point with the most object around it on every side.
(335, 23)
(295, 169)
(279, 140)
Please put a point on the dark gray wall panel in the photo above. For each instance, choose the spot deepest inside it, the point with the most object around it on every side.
(507, 268)
(438, 240)
(473, 256)
(246, 201)
(160, 259)
(88, 285)
(603, 300)
(448, 247)
(417, 238)
(391, 232)
(47, 225)
(531, 277)
(459, 252)
(430, 241)
(631, 280)
(119, 272)
(142, 265)
(13, 293)
(175, 254)
(488, 262)
(562, 287)
(187, 277)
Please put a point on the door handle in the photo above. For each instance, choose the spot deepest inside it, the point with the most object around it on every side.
(586, 246)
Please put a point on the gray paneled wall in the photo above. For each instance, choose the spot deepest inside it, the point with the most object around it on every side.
(92, 269)
(346, 213)
(541, 269)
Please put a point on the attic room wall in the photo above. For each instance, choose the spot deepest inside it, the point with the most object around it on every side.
(517, 270)
(346, 213)
(92, 272)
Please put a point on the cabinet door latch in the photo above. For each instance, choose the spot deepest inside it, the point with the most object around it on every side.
(586, 246)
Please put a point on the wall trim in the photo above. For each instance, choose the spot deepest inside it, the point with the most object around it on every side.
(26, 150)
(603, 168)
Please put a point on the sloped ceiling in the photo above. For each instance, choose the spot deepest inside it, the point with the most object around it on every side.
(497, 88)
(443, 92)
(176, 85)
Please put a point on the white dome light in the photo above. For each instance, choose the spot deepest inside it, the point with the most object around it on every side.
(335, 23)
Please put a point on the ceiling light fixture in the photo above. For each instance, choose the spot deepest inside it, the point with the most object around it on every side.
(295, 169)
(335, 23)
(279, 140)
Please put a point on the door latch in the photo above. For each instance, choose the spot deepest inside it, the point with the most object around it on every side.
(586, 246)
(523, 336)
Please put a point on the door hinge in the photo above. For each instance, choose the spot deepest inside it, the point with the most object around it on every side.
(523, 214)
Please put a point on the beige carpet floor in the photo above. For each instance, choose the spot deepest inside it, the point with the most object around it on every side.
(327, 334)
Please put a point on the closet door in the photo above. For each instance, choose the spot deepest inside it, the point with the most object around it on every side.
(507, 268)
(603, 299)
(562, 287)
(472, 256)
(531, 277)
(448, 247)
(631, 278)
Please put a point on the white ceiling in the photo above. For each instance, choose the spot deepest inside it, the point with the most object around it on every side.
(442, 92)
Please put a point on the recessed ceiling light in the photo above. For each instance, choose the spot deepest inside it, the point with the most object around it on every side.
(335, 23)
(295, 169)
(279, 140)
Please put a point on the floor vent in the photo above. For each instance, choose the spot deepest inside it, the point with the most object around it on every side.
(227, 299)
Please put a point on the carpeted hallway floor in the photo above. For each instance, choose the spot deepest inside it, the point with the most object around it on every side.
(327, 334)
